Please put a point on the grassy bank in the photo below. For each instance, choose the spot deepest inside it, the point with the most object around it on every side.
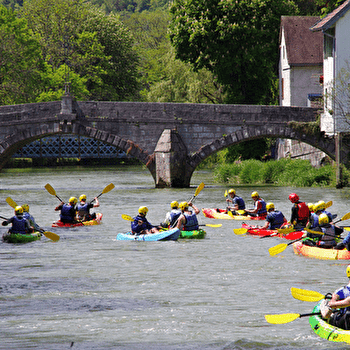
(283, 172)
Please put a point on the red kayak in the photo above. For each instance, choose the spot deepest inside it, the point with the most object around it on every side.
(96, 221)
(265, 232)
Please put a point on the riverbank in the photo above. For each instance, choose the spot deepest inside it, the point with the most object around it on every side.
(283, 172)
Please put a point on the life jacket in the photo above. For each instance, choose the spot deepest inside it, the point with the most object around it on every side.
(262, 211)
(303, 212)
(136, 228)
(327, 240)
(276, 219)
(313, 220)
(19, 225)
(191, 222)
(67, 213)
(239, 201)
(174, 215)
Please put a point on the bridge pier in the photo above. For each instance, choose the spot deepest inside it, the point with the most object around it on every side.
(172, 168)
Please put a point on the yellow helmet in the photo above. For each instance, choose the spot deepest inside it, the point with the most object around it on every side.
(348, 271)
(310, 206)
(25, 208)
(269, 206)
(255, 194)
(183, 205)
(18, 210)
(323, 219)
(174, 204)
(232, 191)
(143, 210)
(82, 197)
(73, 200)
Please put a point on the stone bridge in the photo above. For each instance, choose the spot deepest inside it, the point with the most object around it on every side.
(171, 139)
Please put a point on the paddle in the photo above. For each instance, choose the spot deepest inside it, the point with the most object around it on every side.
(279, 248)
(343, 218)
(11, 202)
(307, 295)
(105, 190)
(240, 231)
(328, 204)
(283, 231)
(198, 189)
(1, 217)
(286, 318)
(51, 190)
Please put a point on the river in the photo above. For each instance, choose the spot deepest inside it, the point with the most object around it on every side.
(89, 291)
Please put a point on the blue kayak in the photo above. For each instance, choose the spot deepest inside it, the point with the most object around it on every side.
(168, 235)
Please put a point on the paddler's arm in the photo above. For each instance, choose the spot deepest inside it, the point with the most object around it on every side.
(335, 303)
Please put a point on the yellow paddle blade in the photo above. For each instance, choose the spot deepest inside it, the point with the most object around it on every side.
(329, 204)
(306, 295)
(345, 217)
(50, 189)
(51, 235)
(127, 217)
(241, 212)
(240, 231)
(283, 318)
(312, 231)
(199, 188)
(11, 202)
(279, 248)
(285, 230)
(225, 193)
(213, 225)
(108, 188)
(346, 228)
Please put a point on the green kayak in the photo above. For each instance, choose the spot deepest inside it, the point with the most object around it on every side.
(19, 238)
(195, 234)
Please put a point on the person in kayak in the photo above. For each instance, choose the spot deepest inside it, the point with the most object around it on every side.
(140, 225)
(327, 240)
(234, 202)
(30, 218)
(300, 212)
(188, 218)
(259, 206)
(19, 223)
(340, 305)
(68, 211)
(274, 219)
(172, 215)
(83, 209)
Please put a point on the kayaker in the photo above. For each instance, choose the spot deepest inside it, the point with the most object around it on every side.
(83, 209)
(320, 208)
(327, 240)
(340, 305)
(237, 203)
(172, 215)
(68, 211)
(19, 223)
(274, 219)
(140, 225)
(188, 218)
(300, 212)
(259, 206)
(30, 218)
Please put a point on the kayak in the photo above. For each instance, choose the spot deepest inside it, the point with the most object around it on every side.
(214, 213)
(195, 234)
(166, 235)
(19, 238)
(320, 253)
(96, 221)
(326, 331)
(265, 232)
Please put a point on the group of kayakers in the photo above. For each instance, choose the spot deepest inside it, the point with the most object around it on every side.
(22, 222)
(182, 216)
(315, 217)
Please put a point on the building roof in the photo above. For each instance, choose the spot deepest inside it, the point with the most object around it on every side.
(304, 47)
(329, 20)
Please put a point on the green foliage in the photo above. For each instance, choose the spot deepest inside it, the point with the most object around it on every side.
(253, 149)
(21, 63)
(284, 172)
(236, 40)
(327, 6)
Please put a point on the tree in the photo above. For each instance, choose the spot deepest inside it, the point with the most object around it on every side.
(21, 63)
(236, 40)
(94, 46)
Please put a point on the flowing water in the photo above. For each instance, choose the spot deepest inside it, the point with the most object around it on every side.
(89, 291)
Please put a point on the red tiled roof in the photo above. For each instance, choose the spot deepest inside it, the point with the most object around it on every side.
(329, 20)
(304, 47)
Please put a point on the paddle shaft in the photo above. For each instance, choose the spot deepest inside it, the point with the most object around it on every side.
(105, 190)
(1, 217)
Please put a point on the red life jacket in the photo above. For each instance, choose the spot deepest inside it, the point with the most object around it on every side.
(303, 211)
